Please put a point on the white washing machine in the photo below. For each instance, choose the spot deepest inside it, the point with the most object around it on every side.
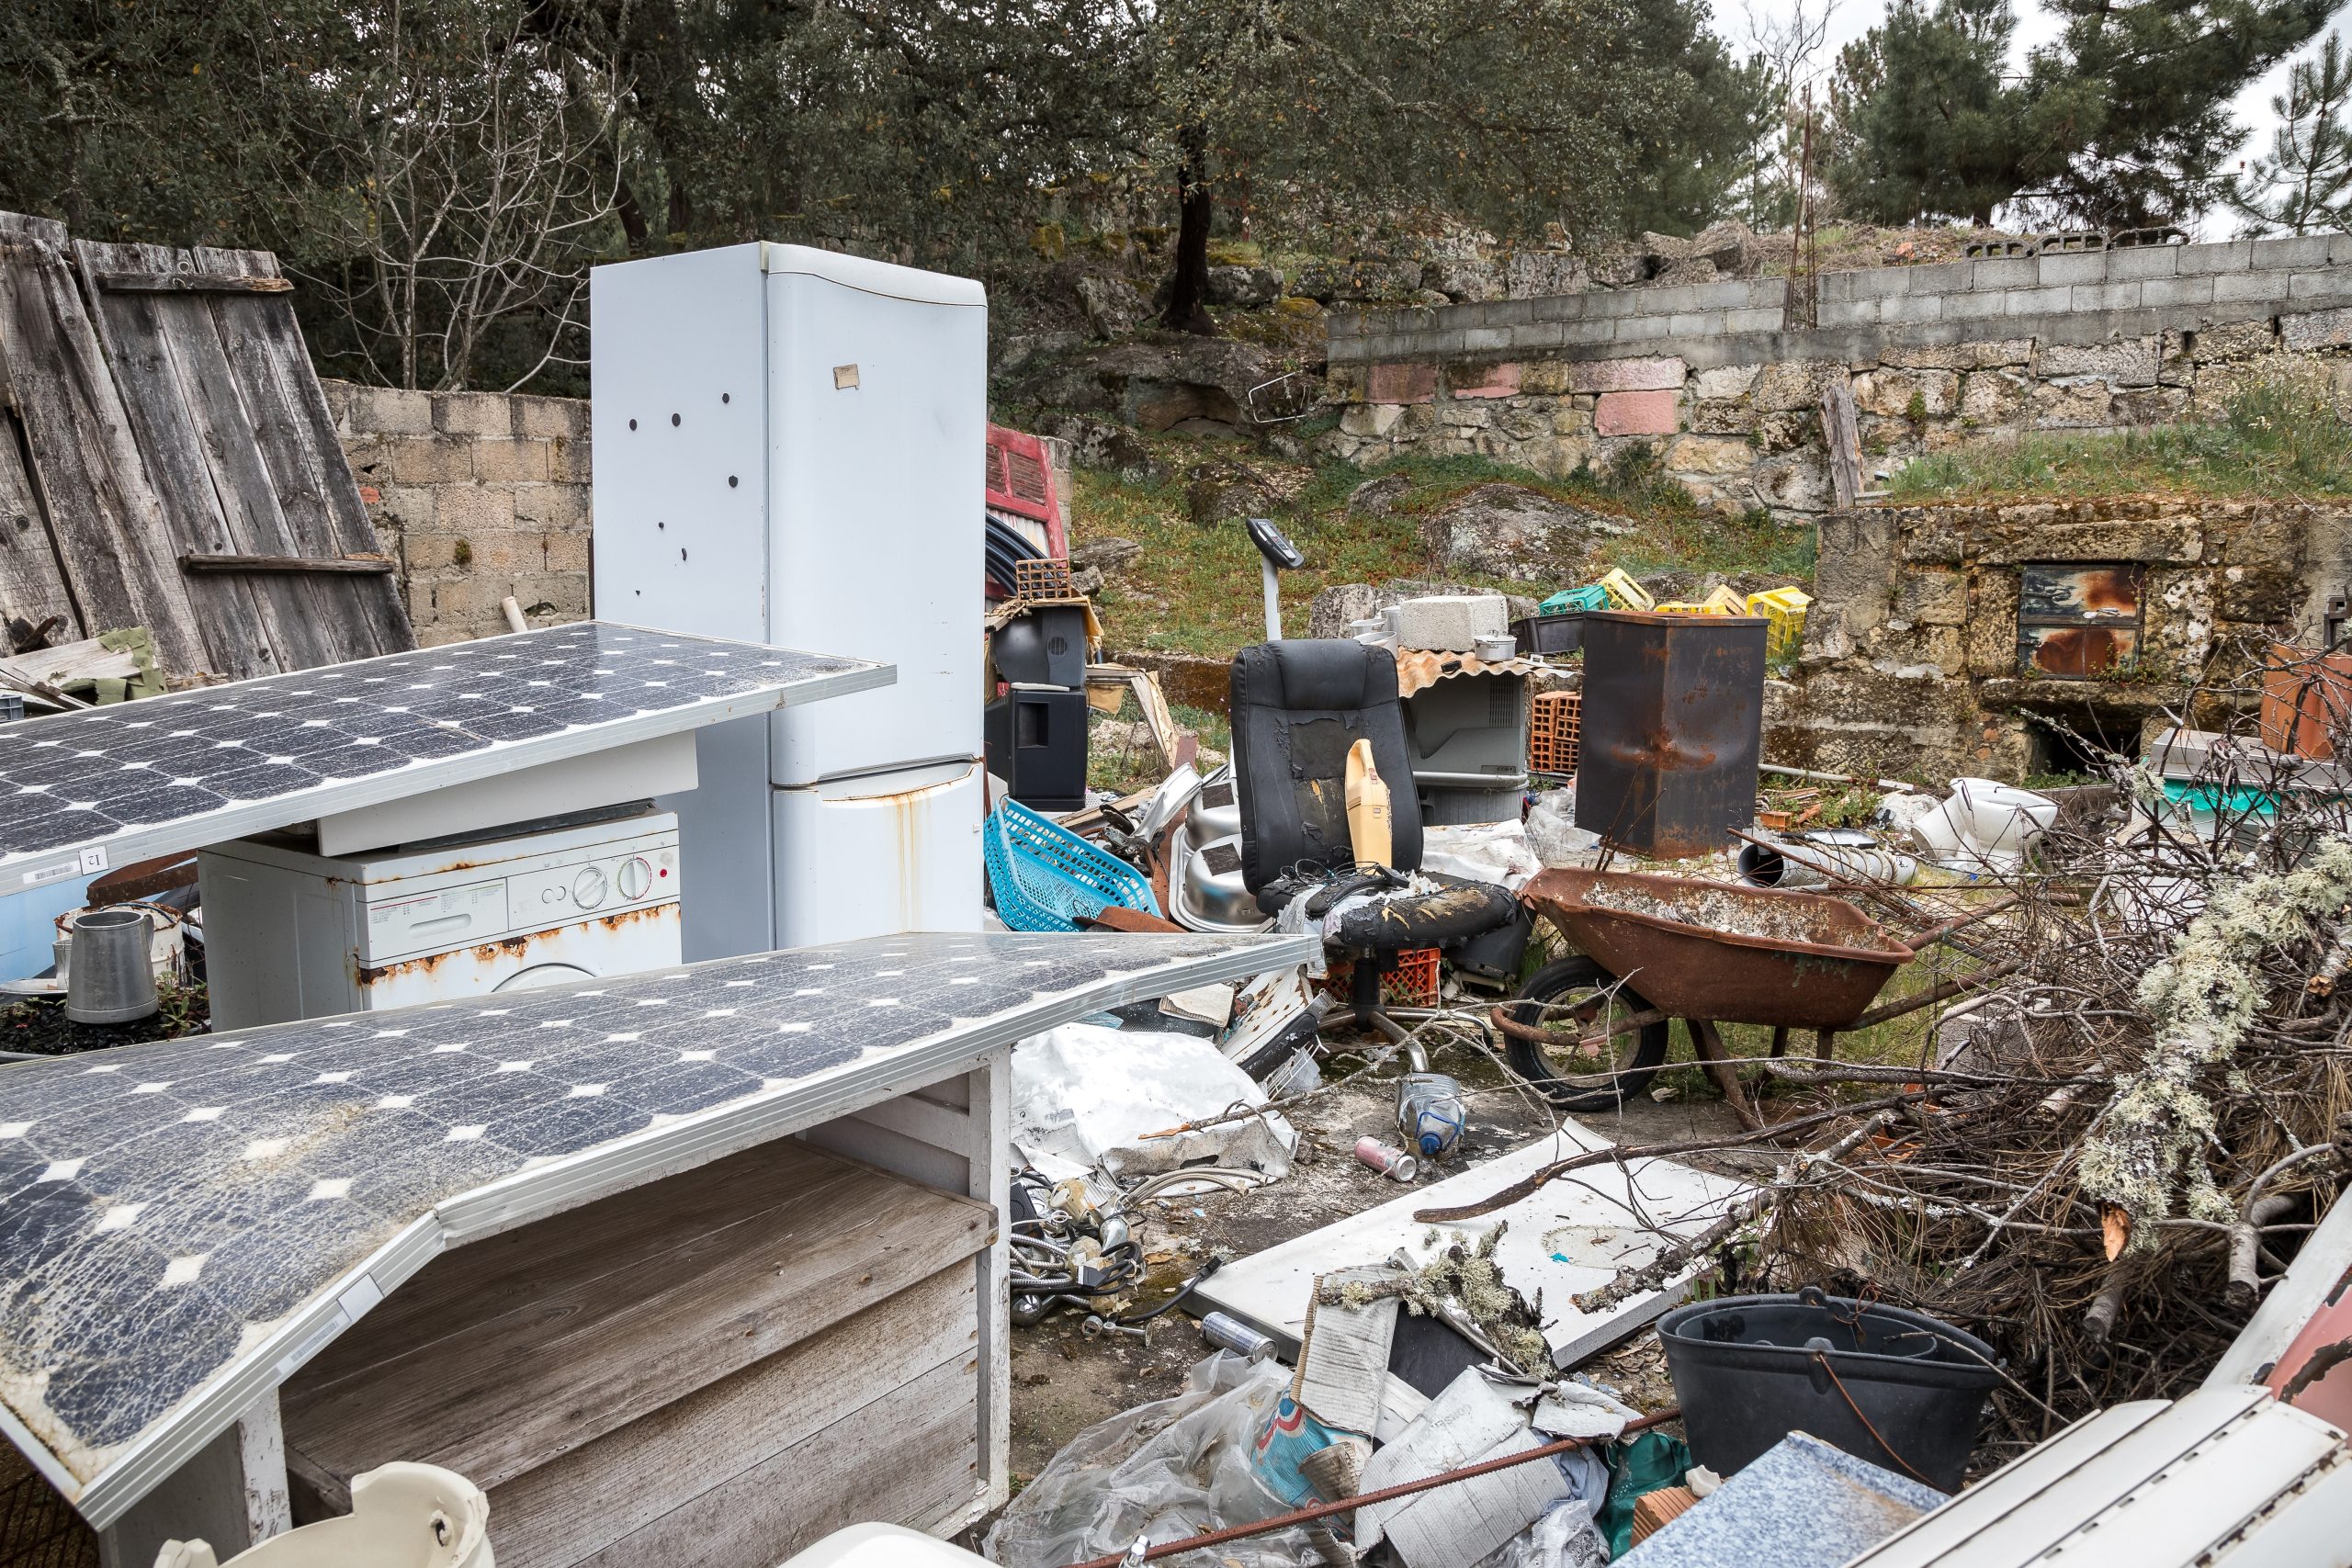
(291, 933)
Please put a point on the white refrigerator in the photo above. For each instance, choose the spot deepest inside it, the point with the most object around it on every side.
(788, 449)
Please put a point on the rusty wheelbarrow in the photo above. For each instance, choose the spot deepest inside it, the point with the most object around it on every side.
(1657, 947)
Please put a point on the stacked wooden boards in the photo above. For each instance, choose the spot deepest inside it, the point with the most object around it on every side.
(718, 1367)
(167, 459)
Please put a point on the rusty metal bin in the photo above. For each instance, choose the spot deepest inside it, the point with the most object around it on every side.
(1673, 723)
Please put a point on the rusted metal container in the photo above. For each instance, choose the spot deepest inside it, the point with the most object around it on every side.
(2077, 622)
(1717, 950)
(1673, 720)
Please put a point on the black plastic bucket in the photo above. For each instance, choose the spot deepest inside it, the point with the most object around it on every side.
(1896, 1388)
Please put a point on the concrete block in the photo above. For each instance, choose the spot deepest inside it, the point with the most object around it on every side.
(2004, 272)
(1763, 291)
(2077, 266)
(1835, 286)
(1938, 277)
(1647, 375)
(1451, 623)
(390, 410)
(569, 459)
(2223, 256)
(2332, 283)
(1537, 336)
(2339, 250)
(1407, 383)
(1636, 413)
(1978, 305)
(565, 508)
(1877, 282)
(2037, 301)
(472, 414)
(2257, 285)
(1756, 319)
(1847, 312)
(1668, 301)
(1483, 340)
(1641, 329)
(1912, 308)
(1619, 303)
(474, 510)
(1511, 312)
(427, 460)
(2174, 293)
(1587, 331)
(507, 459)
(550, 416)
(2105, 297)
(2291, 251)
(1696, 323)
(2316, 330)
(2143, 261)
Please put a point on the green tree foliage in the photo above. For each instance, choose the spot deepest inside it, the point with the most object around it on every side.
(2305, 184)
(2121, 121)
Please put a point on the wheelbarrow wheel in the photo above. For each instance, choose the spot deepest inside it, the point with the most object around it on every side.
(1577, 990)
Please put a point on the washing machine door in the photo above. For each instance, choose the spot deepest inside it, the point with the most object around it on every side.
(540, 974)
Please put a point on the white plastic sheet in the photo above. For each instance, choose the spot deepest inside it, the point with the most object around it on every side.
(1480, 851)
(1083, 1096)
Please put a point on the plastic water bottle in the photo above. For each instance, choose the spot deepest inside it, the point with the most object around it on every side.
(1430, 1113)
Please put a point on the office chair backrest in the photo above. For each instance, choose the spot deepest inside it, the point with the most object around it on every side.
(1297, 707)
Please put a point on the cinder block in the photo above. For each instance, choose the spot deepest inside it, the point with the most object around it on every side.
(507, 459)
(2142, 262)
(1587, 331)
(1910, 309)
(2171, 293)
(2333, 283)
(1877, 282)
(2078, 266)
(1637, 329)
(1847, 312)
(1696, 323)
(2104, 296)
(550, 416)
(1757, 319)
(2291, 251)
(472, 414)
(2258, 284)
(2040, 301)
(390, 410)
(1977, 305)
(2222, 255)
(1938, 277)
(1483, 340)
(1451, 623)
(568, 459)
(427, 460)
(2004, 272)
(474, 510)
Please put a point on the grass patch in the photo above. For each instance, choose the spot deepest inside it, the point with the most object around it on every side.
(1195, 590)
(2279, 432)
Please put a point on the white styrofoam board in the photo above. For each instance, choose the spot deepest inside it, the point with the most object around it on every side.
(1574, 1234)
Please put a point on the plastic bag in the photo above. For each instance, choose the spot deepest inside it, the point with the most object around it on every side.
(1164, 1471)
(1648, 1463)
(1553, 833)
(1565, 1537)
(1480, 851)
(1084, 1096)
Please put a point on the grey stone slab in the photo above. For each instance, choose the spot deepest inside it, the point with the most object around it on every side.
(1802, 1503)
(222, 1207)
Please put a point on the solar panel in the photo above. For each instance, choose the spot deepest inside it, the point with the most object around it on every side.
(99, 786)
(183, 1225)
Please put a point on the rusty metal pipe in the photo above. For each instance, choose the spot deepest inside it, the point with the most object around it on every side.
(1533, 1035)
(1349, 1505)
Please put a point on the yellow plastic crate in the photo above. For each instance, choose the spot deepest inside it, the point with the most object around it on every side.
(1723, 601)
(1686, 607)
(1784, 608)
(1624, 592)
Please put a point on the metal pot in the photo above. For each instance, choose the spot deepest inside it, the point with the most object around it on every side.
(111, 980)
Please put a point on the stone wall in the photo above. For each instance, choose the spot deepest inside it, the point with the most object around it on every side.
(1911, 663)
(1935, 354)
(477, 495)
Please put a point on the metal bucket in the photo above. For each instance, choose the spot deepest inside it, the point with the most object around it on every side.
(111, 980)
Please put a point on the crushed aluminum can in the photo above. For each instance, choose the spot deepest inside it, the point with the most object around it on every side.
(1393, 1163)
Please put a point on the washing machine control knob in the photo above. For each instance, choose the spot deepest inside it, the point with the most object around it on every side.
(635, 876)
(588, 888)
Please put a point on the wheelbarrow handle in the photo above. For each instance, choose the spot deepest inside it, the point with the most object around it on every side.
(1934, 934)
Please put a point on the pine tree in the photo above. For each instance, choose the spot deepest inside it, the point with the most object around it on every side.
(2122, 121)
(2306, 183)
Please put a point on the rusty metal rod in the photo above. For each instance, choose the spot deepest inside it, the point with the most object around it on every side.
(1974, 980)
(1539, 1036)
(1349, 1505)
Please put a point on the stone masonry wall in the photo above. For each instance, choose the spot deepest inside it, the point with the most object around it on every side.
(477, 495)
(1703, 374)
(1911, 663)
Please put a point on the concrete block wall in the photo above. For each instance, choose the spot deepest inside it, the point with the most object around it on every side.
(477, 495)
(1937, 352)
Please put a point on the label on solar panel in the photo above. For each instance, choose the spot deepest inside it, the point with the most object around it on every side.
(103, 785)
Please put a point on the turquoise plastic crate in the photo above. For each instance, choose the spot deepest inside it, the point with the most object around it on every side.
(1593, 597)
(1046, 879)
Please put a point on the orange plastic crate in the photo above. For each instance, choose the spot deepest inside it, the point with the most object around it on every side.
(1554, 721)
(1412, 984)
(1042, 580)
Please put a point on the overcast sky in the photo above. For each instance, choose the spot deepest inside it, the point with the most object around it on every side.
(1851, 18)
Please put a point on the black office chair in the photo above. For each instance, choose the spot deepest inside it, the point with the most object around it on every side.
(1298, 707)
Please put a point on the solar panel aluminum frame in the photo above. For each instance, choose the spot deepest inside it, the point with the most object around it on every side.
(524, 1196)
(32, 868)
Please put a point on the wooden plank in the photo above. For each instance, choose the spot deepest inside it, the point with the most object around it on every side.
(529, 1369)
(31, 587)
(1841, 437)
(358, 566)
(162, 357)
(989, 1090)
(312, 477)
(112, 542)
(186, 283)
(576, 1505)
(906, 1456)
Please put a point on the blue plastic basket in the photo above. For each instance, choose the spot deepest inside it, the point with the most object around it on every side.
(1047, 879)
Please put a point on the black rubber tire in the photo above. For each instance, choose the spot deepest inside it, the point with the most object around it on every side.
(1584, 1091)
